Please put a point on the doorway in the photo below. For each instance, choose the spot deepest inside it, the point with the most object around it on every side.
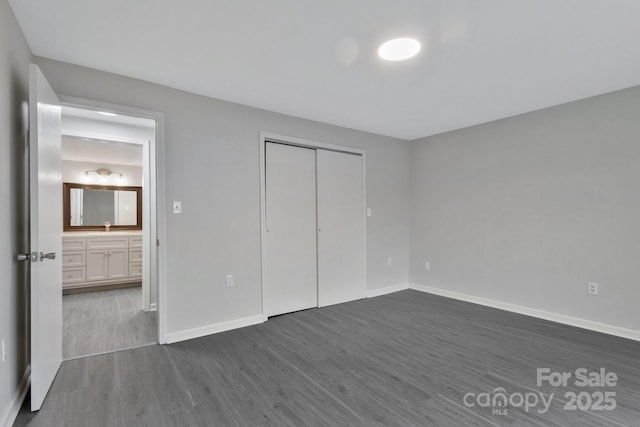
(109, 271)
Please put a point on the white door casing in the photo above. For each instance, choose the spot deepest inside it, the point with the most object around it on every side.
(45, 186)
(290, 217)
(341, 228)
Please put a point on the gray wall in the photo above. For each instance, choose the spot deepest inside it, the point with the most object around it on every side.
(212, 166)
(14, 82)
(528, 210)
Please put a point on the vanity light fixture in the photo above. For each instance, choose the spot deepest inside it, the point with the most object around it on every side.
(103, 172)
(399, 49)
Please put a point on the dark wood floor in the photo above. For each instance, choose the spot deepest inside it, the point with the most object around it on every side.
(403, 359)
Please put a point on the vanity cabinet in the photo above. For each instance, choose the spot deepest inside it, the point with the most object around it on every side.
(89, 261)
(107, 264)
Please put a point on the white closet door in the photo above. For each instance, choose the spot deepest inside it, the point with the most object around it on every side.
(341, 248)
(290, 283)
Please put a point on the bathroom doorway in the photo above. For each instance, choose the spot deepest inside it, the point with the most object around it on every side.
(109, 264)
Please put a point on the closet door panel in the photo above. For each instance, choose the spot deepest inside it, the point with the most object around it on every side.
(341, 249)
(290, 282)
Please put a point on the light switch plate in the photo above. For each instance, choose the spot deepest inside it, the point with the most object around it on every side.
(177, 207)
(368, 211)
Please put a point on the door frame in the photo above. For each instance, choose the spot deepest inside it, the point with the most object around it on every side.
(305, 143)
(156, 229)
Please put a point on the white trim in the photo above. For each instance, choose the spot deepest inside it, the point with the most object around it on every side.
(387, 290)
(157, 223)
(10, 413)
(300, 142)
(214, 328)
(533, 312)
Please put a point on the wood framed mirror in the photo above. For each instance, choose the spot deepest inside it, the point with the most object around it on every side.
(88, 207)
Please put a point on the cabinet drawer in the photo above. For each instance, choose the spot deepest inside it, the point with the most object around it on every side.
(135, 255)
(135, 270)
(73, 244)
(73, 275)
(135, 242)
(107, 243)
(74, 259)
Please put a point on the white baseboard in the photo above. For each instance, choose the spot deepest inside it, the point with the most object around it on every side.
(534, 312)
(13, 408)
(213, 328)
(387, 290)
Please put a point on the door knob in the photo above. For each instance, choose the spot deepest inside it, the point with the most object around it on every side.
(47, 255)
(24, 257)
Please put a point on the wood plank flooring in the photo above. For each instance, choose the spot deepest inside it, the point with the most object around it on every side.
(96, 322)
(405, 359)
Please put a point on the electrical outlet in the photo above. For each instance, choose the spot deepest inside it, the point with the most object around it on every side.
(4, 349)
(427, 265)
(593, 288)
(389, 261)
(229, 280)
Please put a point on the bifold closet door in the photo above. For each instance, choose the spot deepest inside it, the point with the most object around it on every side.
(341, 228)
(290, 281)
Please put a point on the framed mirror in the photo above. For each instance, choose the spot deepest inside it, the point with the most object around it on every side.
(89, 207)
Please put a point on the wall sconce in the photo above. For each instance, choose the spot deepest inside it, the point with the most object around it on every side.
(104, 173)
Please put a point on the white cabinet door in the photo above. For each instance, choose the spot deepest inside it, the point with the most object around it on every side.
(97, 264)
(290, 212)
(118, 263)
(341, 235)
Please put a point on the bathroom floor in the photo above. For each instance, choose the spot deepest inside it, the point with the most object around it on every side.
(103, 321)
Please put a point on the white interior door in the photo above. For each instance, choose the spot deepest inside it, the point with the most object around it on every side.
(290, 282)
(341, 235)
(45, 188)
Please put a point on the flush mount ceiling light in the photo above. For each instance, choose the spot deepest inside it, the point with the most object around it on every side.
(399, 49)
(106, 113)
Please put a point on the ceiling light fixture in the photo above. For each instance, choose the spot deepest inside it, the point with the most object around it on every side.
(399, 49)
(106, 113)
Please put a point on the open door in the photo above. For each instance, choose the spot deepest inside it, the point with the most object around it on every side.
(45, 197)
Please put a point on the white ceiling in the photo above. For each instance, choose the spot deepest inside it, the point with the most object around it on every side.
(100, 151)
(481, 60)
